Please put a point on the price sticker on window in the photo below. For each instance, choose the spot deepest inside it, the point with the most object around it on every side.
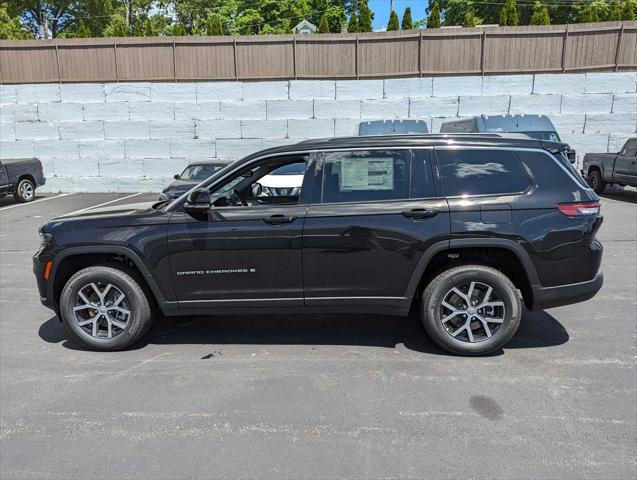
(367, 174)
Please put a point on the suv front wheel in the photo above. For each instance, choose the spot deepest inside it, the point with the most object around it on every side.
(471, 310)
(105, 308)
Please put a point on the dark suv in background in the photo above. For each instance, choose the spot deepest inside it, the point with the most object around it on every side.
(462, 227)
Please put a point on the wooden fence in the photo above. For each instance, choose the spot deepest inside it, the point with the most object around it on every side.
(607, 46)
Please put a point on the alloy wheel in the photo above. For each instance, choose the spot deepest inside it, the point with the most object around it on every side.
(26, 191)
(472, 312)
(101, 310)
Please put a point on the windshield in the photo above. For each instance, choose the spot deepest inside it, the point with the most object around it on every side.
(543, 135)
(200, 172)
(291, 169)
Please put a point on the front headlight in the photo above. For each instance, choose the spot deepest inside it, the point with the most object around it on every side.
(45, 239)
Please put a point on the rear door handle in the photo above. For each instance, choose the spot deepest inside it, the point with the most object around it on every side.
(420, 213)
(278, 219)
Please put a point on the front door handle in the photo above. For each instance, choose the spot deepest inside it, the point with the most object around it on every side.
(278, 219)
(420, 213)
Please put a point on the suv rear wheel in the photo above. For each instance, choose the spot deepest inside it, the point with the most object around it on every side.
(471, 310)
(105, 308)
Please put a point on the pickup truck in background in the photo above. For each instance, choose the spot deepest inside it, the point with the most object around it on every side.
(21, 177)
(601, 169)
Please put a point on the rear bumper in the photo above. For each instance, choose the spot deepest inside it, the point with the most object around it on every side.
(549, 297)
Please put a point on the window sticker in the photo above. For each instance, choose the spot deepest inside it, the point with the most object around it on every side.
(366, 174)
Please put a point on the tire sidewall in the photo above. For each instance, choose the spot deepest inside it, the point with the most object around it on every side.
(122, 281)
(502, 288)
(596, 182)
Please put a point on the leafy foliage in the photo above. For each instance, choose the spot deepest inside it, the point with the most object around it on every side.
(434, 16)
(392, 25)
(407, 24)
(509, 14)
(540, 15)
(470, 18)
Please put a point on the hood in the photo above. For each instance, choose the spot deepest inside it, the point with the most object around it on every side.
(282, 181)
(179, 186)
(129, 210)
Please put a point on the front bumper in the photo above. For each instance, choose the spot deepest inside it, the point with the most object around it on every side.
(46, 294)
(549, 297)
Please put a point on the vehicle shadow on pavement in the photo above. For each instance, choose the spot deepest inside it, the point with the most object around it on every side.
(538, 329)
(620, 194)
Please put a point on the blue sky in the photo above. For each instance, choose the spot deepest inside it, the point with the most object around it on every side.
(381, 10)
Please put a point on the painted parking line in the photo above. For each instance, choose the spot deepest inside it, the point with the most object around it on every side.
(2, 209)
(105, 203)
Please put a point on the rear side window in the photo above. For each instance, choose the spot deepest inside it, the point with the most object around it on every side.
(360, 176)
(481, 172)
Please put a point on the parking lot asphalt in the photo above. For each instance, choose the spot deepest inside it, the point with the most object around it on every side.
(318, 396)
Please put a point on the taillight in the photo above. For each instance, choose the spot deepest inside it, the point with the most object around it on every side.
(578, 209)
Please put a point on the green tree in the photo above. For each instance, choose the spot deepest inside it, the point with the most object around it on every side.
(323, 26)
(629, 12)
(407, 23)
(10, 26)
(352, 25)
(336, 18)
(594, 11)
(470, 19)
(433, 21)
(365, 17)
(214, 25)
(540, 15)
(117, 27)
(45, 19)
(615, 11)
(392, 25)
(509, 14)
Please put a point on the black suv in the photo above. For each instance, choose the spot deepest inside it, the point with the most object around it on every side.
(463, 227)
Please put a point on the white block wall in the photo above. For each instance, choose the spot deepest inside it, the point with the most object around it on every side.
(135, 136)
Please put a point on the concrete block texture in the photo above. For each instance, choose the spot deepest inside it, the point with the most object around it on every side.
(359, 89)
(152, 111)
(346, 127)
(17, 149)
(608, 123)
(82, 93)
(102, 149)
(611, 82)
(507, 85)
(408, 87)
(126, 130)
(535, 104)
(172, 130)
(235, 148)
(569, 83)
(616, 142)
(8, 94)
(571, 123)
(52, 149)
(106, 111)
(585, 142)
(591, 103)
(115, 167)
(19, 113)
(211, 129)
(201, 110)
(90, 130)
(60, 184)
(433, 107)
(625, 103)
(7, 132)
(163, 167)
(457, 86)
(72, 166)
(127, 92)
(312, 89)
(88, 184)
(173, 92)
(215, 91)
(470, 106)
(289, 109)
(136, 184)
(337, 109)
(264, 129)
(245, 110)
(147, 148)
(191, 149)
(40, 93)
(71, 112)
(386, 108)
(265, 90)
(36, 131)
(314, 128)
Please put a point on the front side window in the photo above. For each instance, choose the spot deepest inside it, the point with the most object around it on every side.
(359, 176)
(481, 172)
(631, 149)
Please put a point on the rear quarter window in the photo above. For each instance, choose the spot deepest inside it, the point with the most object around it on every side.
(481, 172)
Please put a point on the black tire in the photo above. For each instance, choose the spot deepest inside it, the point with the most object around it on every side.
(138, 321)
(596, 181)
(500, 333)
(24, 191)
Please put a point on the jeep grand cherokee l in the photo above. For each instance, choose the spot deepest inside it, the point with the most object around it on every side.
(464, 227)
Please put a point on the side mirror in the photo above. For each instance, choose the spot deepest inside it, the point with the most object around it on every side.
(198, 201)
(176, 176)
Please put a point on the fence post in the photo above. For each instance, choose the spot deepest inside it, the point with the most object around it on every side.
(484, 42)
(115, 55)
(57, 60)
(356, 57)
(294, 56)
(619, 46)
(174, 62)
(564, 43)
(420, 54)
(234, 54)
